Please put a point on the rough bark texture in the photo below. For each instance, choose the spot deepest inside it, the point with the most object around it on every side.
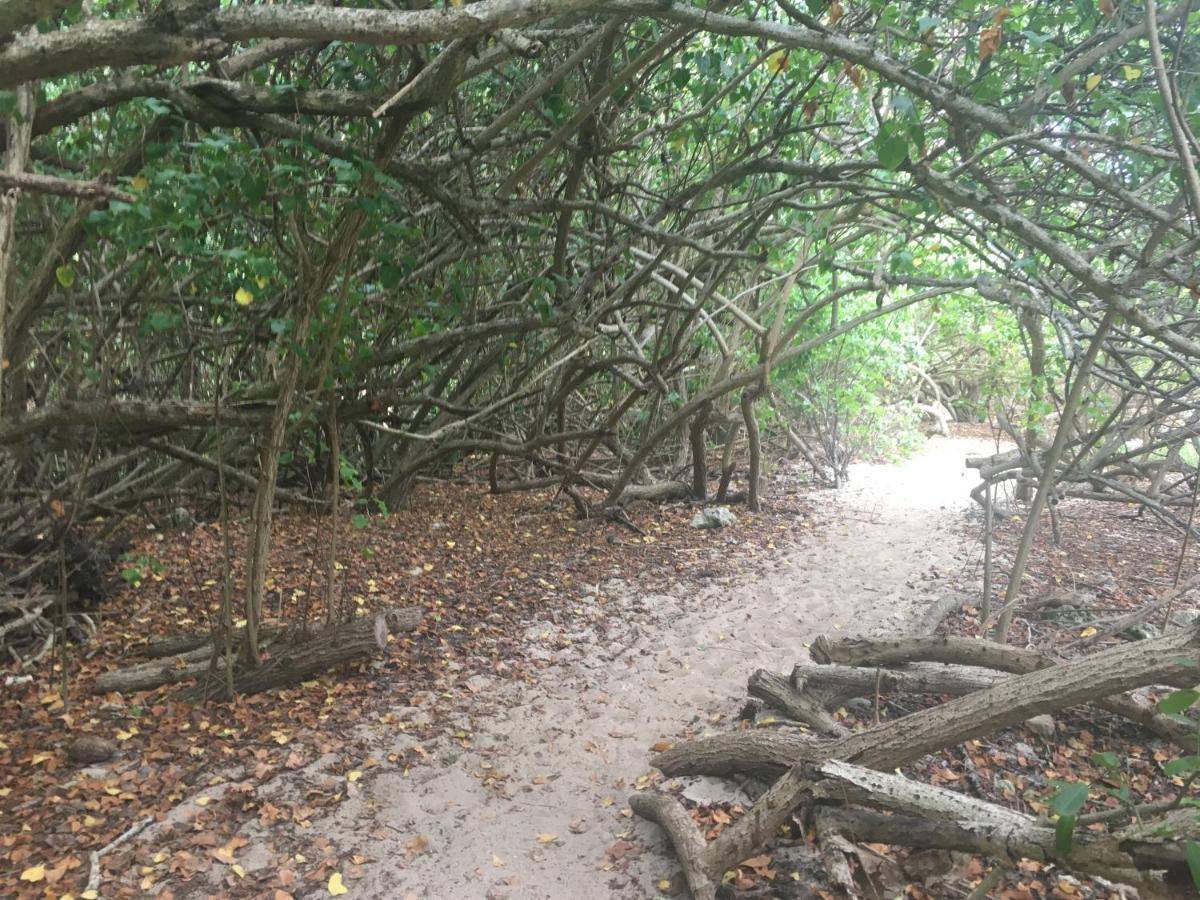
(778, 691)
(897, 743)
(321, 651)
(293, 658)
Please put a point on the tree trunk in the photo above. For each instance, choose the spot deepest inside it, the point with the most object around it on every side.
(755, 450)
(699, 453)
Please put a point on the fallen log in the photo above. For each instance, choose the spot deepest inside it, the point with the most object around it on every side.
(310, 654)
(923, 816)
(905, 740)
(840, 682)
(293, 657)
(778, 691)
(968, 652)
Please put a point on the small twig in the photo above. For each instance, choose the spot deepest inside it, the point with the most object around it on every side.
(93, 883)
(984, 888)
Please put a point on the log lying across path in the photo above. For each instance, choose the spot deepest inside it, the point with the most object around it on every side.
(294, 657)
(838, 778)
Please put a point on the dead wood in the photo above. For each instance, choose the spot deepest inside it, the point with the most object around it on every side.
(905, 740)
(967, 652)
(294, 657)
(923, 816)
(836, 683)
(294, 661)
(778, 691)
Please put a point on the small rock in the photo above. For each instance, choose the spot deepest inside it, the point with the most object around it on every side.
(1042, 726)
(860, 704)
(1184, 618)
(437, 526)
(1142, 631)
(181, 517)
(91, 748)
(714, 517)
(707, 791)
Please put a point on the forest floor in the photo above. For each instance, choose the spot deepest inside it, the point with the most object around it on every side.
(536, 806)
(493, 750)
(491, 754)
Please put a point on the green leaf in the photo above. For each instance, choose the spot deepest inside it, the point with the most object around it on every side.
(1068, 800)
(1193, 858)
(891, 149)
(1185, 765)
(1179, 701)
(65, 276)
(359, 521)
(1107, 759)
(1063, 832)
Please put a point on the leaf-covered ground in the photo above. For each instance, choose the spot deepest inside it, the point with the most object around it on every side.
(482, 567)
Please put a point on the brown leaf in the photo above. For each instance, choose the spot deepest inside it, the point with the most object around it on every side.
(835, 12)
(989, 42)
(1107, 8)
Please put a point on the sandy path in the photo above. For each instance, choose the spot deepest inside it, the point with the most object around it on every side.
(569, 747)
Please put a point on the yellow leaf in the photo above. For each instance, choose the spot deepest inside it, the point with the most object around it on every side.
(1087, 632)
(261, 282)
(89, 895)
(547, 838)
(40, 758)
(140, 183)
(664, 884)
(336, 887)
(243, 297)
(124, 735)
(1132, 73)
(497, 861)
(353, 775)
(1093, 82)
(238, 870)
(777, 62)
(203, 801)
(35, 873)
(4, 792)
(428, 567)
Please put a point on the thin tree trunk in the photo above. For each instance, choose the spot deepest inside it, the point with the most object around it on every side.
(755, 450)
(16, 158)
(1049, 467)
(699, 453)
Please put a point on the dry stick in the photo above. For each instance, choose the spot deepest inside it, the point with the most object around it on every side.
(985, 608)
(1046, 481)
(93, 882)
(984, 888)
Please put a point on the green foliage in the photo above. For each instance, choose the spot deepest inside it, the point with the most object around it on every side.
(1066, 803)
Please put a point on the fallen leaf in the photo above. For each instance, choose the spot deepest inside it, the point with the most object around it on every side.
(336, 886)
(34, 873)
(547, 838)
